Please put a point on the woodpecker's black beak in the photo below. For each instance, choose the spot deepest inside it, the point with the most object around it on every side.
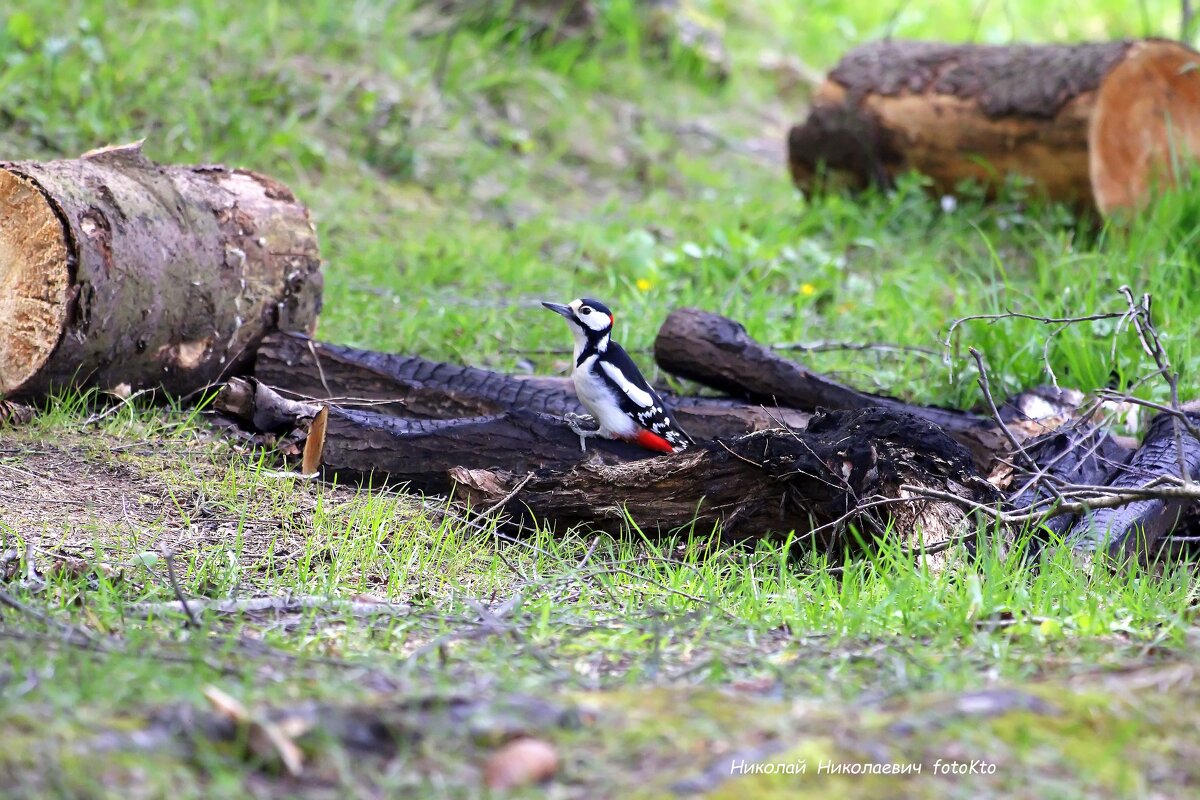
(560, 309)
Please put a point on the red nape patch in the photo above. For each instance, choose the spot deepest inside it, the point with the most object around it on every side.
(651, 441)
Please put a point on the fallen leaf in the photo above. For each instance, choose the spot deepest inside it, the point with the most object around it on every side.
(266, 740)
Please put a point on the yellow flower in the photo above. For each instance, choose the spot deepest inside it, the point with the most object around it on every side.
(643, 284)
(807, 289)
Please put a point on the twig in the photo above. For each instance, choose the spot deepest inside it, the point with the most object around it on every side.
(123, 402)
(74, 634)
(1034, 317)
(1105, 497)
(279, 605)
(170, 559)
(823, 346)
(503, 501)
(985, 387)
(1152, 344)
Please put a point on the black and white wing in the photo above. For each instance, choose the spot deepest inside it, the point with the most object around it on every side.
(638, 399)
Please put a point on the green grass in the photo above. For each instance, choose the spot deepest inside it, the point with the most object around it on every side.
(458, 176)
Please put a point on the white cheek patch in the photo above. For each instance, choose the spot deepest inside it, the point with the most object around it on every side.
(639, 396)
(595, 320)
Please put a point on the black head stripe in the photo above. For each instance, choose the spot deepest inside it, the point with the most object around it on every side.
(595, 305)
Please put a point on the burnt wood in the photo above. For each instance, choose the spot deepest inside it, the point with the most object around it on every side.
(716, 351)
(767, 483)
(411, 386)
(1081, 454)
(1137, 530)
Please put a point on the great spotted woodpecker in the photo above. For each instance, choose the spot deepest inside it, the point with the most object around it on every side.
(609, 385)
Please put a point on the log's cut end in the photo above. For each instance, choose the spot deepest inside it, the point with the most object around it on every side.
(1146, 125)
(34, 280)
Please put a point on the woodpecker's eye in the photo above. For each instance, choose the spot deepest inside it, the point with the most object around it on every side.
(585, 310)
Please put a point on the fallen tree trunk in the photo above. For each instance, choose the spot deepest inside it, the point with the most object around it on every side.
(717, 352)
(1098, 123)
(847, 471)
(423, 452)
(1136, 530)
(366, 446)
(118, 273)
(415, 387)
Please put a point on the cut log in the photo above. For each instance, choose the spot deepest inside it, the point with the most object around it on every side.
(1100, 124)
(717, 352)
(118, 273)
(1136, 530)
(818, 482)
(415, 387)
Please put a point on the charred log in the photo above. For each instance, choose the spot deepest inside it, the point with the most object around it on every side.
(422, 452)
(1137, 529)
(382, 449)
(411, 386)
(717, 352)
(844, 473)
(850, 471)
(1073, 455)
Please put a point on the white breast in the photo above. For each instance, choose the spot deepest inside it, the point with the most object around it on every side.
(598, 399)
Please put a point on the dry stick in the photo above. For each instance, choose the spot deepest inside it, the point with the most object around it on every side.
(75, 634)
(1112, 394)
(1034, 317)
(170, 559)
(1105, 497)
(1062, 322)
(503, 501)
(985, 387)
(1152, 343)
(822, 347)
(279, 604)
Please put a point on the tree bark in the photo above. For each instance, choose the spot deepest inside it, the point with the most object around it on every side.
(415, 387)
(1098, 124)
(118, 273)
(717, 352)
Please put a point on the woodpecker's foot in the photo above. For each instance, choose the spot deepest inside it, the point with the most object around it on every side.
(576, 423)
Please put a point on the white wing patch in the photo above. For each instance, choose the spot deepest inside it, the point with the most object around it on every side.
(639, 396)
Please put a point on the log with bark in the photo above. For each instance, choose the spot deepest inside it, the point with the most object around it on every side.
(410, 386)
(1100, 124)
(120, 273)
